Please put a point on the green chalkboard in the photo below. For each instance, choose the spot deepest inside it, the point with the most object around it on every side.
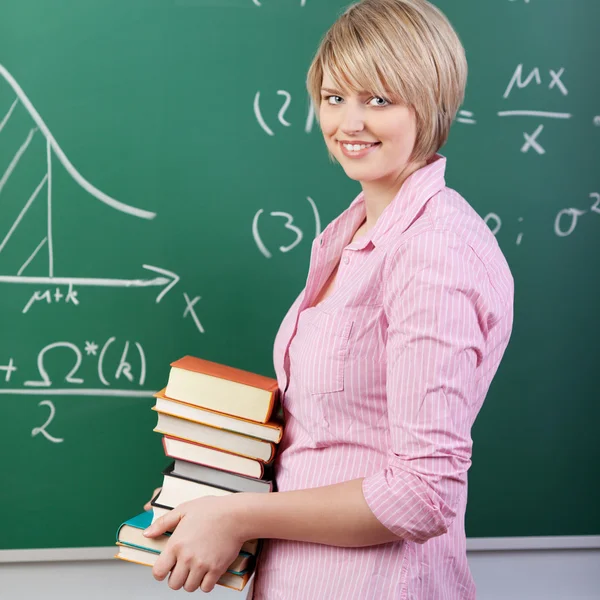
(161, 180)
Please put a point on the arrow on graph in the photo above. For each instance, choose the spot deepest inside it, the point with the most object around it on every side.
(166, 279)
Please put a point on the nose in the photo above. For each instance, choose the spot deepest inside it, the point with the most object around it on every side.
(353, 119)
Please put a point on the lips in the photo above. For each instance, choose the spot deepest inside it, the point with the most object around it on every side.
(364, 149)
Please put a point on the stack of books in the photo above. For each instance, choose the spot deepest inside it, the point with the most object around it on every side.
(221, 427)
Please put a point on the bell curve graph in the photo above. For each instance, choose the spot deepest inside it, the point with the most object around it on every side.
(162, 278)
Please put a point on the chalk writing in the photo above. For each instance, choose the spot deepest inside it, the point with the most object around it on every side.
(289, 224)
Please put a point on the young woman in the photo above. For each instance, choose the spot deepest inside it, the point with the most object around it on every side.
(386, 356)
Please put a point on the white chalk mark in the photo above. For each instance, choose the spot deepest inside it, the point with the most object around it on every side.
(37, 297)
(466, 116)
(531, 141)
(86, 185)
(557, 81)
(516, 78)
(172, 277)
(49, 215)
(90, 281)
(190, 309)
(17, 158)
(23, 212)
(256, 235)
(573, 214)
(289, 220)
(78, 392)
(36, 430)
(310, 118)
(259, 116)
(317, 218)
(534, 113)
(143, 363)
(597, 120)
(8, 114)
(288, 99)
(26, 263)
(496, 218)
(124, 368)
(109, 341)
(45, 381)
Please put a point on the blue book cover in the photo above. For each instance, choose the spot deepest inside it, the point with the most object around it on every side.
(133, 536)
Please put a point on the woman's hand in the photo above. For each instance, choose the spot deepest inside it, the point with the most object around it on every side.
(148, 506)
(205, 541)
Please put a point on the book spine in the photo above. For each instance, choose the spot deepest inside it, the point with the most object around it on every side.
(262, 466)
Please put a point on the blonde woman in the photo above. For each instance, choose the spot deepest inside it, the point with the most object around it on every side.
(386, 356)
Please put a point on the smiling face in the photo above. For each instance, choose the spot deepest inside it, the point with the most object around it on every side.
(370, 136)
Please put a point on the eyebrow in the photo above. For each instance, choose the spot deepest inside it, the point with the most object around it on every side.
(330, 91)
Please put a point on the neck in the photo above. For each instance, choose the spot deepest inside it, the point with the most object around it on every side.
(379, 194)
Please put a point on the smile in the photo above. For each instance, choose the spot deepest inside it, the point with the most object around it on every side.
(358, 150)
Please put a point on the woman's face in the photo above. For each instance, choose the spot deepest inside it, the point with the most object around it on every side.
(388, 130)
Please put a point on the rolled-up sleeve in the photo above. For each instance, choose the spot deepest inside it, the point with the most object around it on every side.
(436, 305)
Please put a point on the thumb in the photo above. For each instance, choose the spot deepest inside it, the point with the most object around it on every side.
(167, 522)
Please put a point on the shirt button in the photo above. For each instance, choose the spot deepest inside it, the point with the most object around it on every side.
(320, 241)
(346, 260)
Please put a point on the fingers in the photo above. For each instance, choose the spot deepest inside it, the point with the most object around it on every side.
(164, 563)
(167, 522)
(179, 574)
(194, 579)
(148, 506)
(209, 581)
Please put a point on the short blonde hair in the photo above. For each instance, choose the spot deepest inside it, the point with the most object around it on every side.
(406, 48)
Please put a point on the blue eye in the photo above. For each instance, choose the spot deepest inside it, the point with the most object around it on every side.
(329, 98)
(383, 101)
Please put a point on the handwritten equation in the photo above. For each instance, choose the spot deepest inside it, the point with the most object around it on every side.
(289, 224)
(565, 221)
(126, 363)
(552, 81)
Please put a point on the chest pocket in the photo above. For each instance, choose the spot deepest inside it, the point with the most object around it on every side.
(327, 342)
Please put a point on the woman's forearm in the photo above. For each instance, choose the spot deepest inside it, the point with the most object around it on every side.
(337, 515)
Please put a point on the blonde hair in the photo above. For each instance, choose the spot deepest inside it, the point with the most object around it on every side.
(406, 48)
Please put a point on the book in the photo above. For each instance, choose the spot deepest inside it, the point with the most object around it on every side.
(130, 533)
(211, 457)
(222, 388)
(216, 438)
(234, 580)
(222, 479)
(177, 489)
(270, 431)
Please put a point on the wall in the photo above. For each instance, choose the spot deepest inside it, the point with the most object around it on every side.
(500, 575)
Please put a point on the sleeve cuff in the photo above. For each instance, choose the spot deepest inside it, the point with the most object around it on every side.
(400, 501)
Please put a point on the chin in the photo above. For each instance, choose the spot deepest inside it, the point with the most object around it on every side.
(359, 174)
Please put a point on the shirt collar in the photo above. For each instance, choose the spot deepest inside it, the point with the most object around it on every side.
(418, 188)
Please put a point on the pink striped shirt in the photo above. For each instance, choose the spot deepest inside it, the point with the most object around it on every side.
(383, 380)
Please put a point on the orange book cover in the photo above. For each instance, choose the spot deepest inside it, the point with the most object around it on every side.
(200, 365)
(207, 367)
(274, 423)
(259, 462)
(186, 439)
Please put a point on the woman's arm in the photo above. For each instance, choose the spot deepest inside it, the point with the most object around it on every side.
(440, 307)
(337, 515)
